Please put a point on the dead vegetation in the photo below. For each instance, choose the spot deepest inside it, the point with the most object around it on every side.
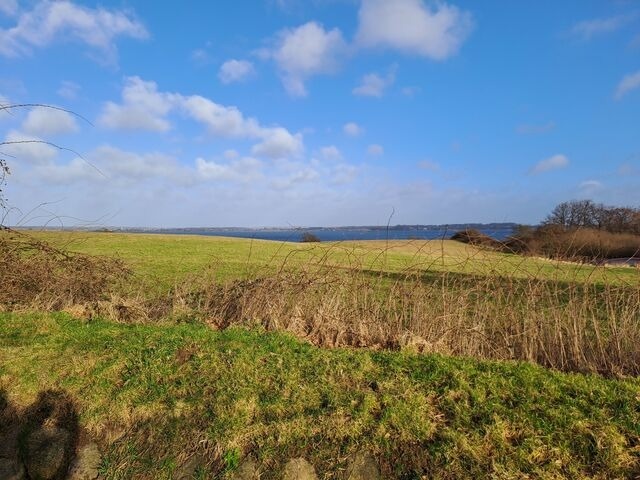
(36, 275)
(580, 325)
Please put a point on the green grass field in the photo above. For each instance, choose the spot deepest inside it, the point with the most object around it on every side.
(170, 258)
(157, 395)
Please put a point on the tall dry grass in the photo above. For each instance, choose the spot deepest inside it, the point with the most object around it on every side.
(35, 274)
(567, 324)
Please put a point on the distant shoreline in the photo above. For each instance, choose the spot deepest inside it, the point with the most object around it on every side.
(498, 231)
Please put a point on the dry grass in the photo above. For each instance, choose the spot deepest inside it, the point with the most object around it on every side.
(582, 244)
(566, 326)
(586, 324)
(36, 275)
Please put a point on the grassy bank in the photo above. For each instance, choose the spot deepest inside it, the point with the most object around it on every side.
(166, 259)
(432, 296)
(156, 395)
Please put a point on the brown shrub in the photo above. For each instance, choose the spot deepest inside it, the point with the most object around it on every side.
(475, 237)
(582, 244)
(33, 273)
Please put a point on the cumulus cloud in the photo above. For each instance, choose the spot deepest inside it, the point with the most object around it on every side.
(344, 173)
(47, 121)
(235, 71)
(143, 107)
(434, 31)
(555, 162)
(244, 170)
(50, 21)
(124, 165)
(28, 148)
(627, 84)
(374, 85)
(352, 129)
(65, 174)
(303, 52)
(304, 175)
(330, 152)
(277, 143)
(375, 150)
(587, 29)
(9, 7)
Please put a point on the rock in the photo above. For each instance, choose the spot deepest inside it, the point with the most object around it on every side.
(47, 453)
(299, 469)
(11, 469)
(363, 467)
(86, 464)
(248, 470)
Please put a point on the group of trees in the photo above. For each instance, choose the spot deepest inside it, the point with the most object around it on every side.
(588, 214)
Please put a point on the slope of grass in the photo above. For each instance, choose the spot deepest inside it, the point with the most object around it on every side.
(155, 395)
(164, 260)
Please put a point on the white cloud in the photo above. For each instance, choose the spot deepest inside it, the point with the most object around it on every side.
(221, 120)
(74, 171)
(627, 84)
(330, 152)
(143, 108)
(235, 71)
(552, 163)
(277, 142)
(352, 129)
(589, 28)
(68, 90)
(231, 154)
(305, 51)
(46, 121)
(375, 150)
(50, 21)
(9, 7)
(243, 170)
(121, 164)
(344, 173)
(535, 129)
(434, 31)
(28, 148)
(304, 175)
(374, 85)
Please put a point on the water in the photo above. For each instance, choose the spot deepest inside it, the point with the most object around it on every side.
(341, 234)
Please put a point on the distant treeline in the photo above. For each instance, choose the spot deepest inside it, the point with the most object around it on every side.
(577, 230)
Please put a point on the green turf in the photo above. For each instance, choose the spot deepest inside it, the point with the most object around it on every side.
(154, 395)
(163, 260)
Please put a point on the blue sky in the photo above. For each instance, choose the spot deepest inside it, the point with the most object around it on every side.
(318, 112)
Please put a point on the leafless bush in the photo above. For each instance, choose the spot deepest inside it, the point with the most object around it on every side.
(36, 274)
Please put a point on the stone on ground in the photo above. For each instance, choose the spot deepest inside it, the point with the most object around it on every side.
(47, 453)
(363, 467)
(299, 469)
(86, 464)
(248, 470)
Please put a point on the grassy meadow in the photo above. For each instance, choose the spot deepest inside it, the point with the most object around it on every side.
(442, 360)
